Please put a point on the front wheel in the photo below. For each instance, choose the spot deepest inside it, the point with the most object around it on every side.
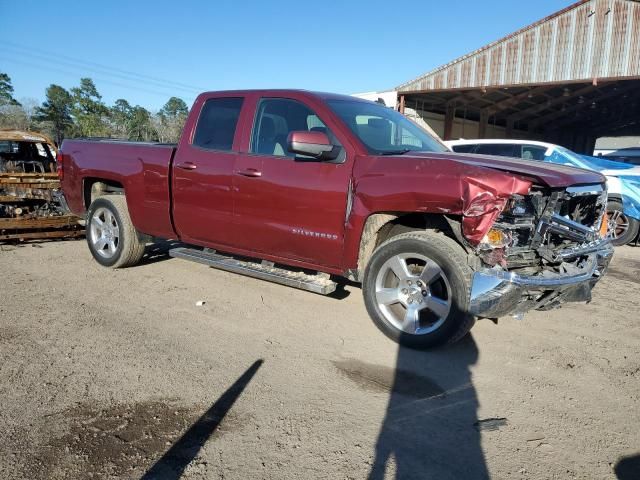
(622, 228)
(416, 289)
(111, 236)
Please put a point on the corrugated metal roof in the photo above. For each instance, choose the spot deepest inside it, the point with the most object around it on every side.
(589, 39)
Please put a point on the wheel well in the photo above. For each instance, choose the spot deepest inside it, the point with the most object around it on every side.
(380, 227)
(97, 187)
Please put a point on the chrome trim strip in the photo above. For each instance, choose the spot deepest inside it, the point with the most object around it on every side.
(585, 190)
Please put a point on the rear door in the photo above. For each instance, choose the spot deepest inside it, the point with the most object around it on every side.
(285, 205)
(202, 173)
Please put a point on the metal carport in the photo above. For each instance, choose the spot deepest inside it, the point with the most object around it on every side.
(569, 78)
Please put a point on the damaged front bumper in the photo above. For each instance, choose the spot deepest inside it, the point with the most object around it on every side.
(496, 293)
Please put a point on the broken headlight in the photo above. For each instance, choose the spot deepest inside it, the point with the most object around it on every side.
(518, 206)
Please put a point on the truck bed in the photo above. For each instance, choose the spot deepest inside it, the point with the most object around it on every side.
(141, 168)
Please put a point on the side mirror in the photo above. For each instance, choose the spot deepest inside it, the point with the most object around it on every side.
(312, 144)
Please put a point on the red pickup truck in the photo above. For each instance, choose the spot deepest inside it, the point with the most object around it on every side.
(303, 188)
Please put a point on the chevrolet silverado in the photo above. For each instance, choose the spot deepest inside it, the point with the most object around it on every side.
(305, 188)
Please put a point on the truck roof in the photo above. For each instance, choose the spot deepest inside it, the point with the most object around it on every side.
(287, 91)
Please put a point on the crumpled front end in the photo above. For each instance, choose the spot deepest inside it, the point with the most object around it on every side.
(545, 248)
(496, 293)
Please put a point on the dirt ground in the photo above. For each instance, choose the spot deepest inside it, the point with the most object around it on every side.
(119, 374)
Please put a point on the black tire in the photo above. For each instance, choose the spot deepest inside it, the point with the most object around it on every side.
(449, 256)
(622, 235)
(130, 245)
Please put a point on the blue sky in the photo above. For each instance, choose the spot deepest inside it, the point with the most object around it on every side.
(147, 51)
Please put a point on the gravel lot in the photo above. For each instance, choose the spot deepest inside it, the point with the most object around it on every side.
(119, 374)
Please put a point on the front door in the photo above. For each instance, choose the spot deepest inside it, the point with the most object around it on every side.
(202, 174)
(288, 206)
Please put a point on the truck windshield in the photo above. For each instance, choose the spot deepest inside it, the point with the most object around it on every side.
(383, 130)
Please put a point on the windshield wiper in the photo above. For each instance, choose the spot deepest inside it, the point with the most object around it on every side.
(396, 152)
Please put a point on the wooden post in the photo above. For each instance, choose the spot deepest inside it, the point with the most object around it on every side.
(484, 121)
(402, 104)
(510, 125)
(448, 122)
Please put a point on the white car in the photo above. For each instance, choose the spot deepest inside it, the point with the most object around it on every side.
(623, 179)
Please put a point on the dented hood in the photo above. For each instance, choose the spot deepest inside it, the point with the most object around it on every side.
(551, 175)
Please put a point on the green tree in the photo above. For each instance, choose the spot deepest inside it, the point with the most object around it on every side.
(121, 112)
(56, 110)
(174, 107)
(140, 124)
(6, 91)
(89, 111)
(170, 120)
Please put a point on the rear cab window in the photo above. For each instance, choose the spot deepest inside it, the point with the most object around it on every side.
(463, 148)
(499, 149)
(217, 123)
(532, 152)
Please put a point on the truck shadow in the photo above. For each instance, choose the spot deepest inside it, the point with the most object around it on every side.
(431, 429)
(628, 468)
(172, 464)
(158, 251)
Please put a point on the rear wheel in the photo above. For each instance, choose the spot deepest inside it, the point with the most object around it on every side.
(416, 289)
(112, 238)
(622, 228)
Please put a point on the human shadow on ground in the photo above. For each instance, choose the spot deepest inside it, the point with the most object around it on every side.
(431, 429)
(172, 464)
(628, 468)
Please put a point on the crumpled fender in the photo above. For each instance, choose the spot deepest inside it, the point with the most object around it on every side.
(483, 199)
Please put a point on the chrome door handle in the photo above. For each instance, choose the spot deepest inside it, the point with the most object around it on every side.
(186, 166)
(250, 172)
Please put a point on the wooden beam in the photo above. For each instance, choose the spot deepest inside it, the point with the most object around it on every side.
(43, 235)
(39, 222)
(509, 102)
(448, 121)
(579, 106)
(47, 186)
(12, 199)
(550, 103)
(482, 126)
(53, 176)
(510, 126)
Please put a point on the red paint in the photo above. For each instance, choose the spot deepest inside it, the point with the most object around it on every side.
(290, 211)
(317, 138)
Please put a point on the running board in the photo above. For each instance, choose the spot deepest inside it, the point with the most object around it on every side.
(320, 283)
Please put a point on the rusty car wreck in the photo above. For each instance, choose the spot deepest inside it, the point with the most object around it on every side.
(31, 203)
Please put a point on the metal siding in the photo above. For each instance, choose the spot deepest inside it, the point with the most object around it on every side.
(634, 53)
(529, 39)
(617, 55)
(571, 45)
(562, 48)
(513, 47)
(580, 38)
(496, 66)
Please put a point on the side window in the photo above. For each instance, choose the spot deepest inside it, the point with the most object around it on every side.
(276, 118)
(533, 152)
(463, 148)
(217, 123)
(499, 149)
